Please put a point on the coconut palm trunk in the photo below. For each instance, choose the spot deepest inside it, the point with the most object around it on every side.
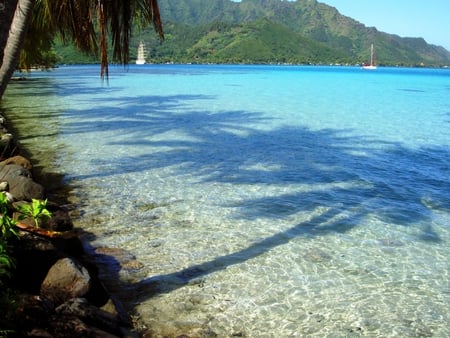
(12, 36)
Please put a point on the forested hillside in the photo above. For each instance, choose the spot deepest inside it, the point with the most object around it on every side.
(272, 31)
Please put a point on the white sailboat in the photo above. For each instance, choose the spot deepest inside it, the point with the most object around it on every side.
(372, 64)
(141, 54)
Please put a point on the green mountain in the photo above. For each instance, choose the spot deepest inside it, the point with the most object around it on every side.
(276, 31)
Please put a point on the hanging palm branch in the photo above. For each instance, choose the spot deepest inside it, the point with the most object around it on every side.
(90, 24)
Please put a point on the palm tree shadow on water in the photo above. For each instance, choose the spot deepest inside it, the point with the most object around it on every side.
(338, 216)
(357, 178)
(349, 178)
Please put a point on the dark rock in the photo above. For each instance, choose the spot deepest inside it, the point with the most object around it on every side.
(8, 147)
(60, 220)
(69, 326)
(25, 189)
(32, 312)
(65, 280)
(91, 315)
(73, 327)
(38, 332)
(34, 256)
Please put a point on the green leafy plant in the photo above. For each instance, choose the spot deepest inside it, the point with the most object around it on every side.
(7, 230)
(36, 210)
(7, 224)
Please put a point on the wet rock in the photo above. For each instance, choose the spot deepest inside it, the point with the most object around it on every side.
(91, 315)
(60, 220)
(65, 280)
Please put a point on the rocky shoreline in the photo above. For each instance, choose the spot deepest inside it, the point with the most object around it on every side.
(57, 292)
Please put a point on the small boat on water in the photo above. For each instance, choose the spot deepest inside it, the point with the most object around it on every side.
(141, 54)
(372, 64)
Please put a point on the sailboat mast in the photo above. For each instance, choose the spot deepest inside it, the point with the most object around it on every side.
(371, 54)
(371, 65)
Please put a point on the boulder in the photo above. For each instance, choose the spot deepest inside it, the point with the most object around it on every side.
(65, 280)
(12, 170)
(19, 160)
(25, 189)
(20, 182)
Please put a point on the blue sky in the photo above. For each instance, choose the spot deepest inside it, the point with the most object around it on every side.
(429, 19)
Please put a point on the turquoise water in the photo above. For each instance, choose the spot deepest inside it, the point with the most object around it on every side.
(260, 201)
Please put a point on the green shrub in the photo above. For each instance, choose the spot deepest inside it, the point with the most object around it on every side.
(7, 230)
(36, 210)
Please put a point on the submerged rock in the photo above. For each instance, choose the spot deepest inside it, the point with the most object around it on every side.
(117, 259)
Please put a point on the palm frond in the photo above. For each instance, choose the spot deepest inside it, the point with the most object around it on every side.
(84, 22)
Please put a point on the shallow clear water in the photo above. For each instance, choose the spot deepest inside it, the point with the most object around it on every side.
(259, 201)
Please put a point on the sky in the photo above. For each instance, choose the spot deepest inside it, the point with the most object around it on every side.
(428, 19)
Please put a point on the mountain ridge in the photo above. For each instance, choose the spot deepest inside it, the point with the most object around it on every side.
(277, 31)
